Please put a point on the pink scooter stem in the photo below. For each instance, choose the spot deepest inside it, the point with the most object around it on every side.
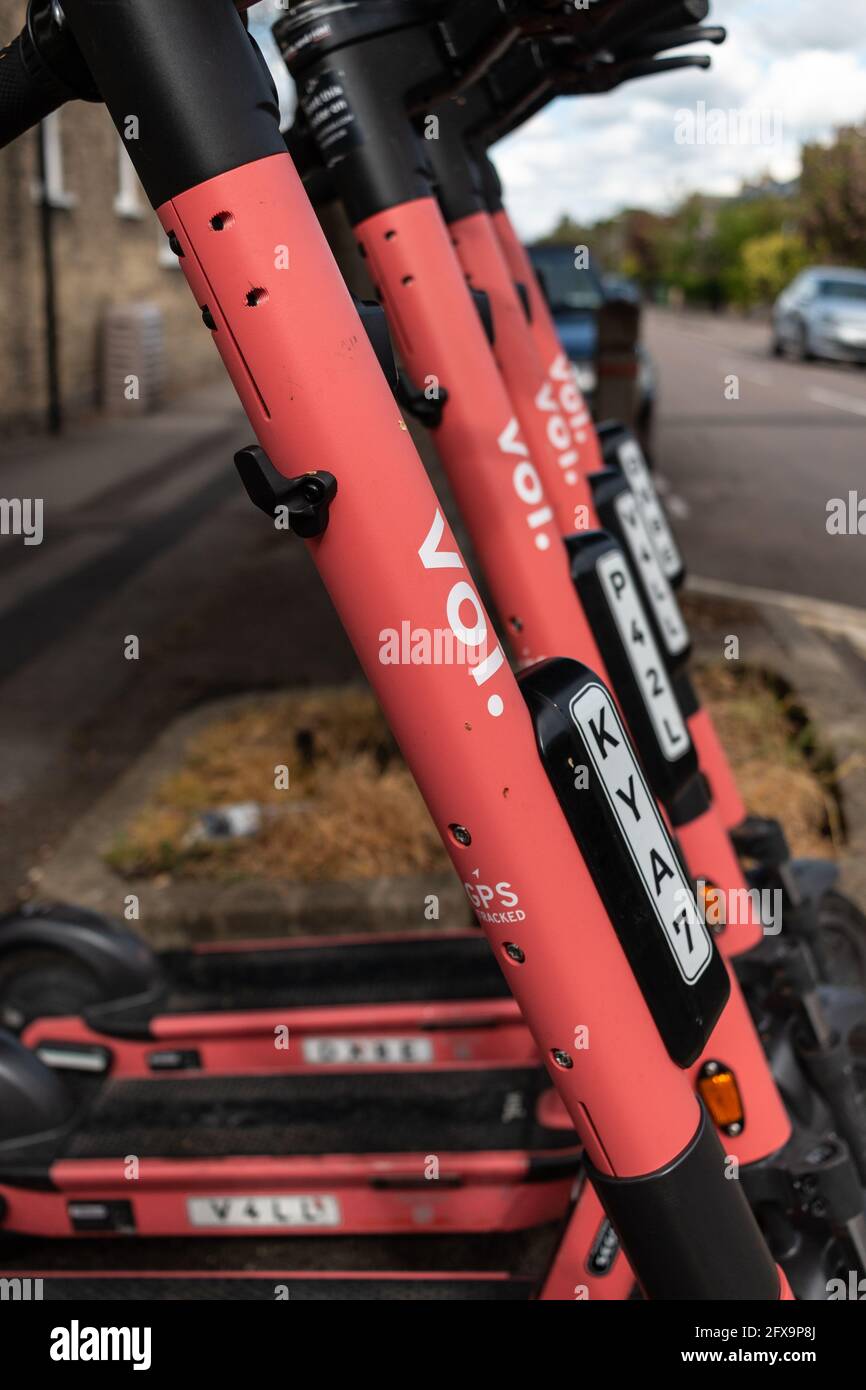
(713, 759)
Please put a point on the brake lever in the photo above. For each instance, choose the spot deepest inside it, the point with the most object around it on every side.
(660, 42)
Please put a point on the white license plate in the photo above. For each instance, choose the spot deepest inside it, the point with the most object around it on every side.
(367, 1052)
(640, 481)
(675, 634)
(649, 670)
(643, 831)
(294, 1212)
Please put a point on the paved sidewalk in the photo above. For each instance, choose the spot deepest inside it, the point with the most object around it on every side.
(828, 677)
(147, 533)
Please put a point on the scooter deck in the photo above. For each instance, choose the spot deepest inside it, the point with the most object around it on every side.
(356, 1001)
(330, 973)
(337, 1113)
(496, 1266)
(339, 1153)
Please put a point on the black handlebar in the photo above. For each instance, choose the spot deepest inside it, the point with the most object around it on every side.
(28, 91)
(40, 70)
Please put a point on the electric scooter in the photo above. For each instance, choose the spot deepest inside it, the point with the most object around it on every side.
(138, 995)
(115, 1005)
(369, 88)
(67, 958)
(200, 161)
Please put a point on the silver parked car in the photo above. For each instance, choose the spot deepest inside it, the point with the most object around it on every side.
(822, 314)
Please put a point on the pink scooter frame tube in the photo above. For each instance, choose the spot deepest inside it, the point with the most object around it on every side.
(295, 349)
(714, 761)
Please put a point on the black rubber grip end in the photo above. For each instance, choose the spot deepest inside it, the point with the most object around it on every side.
(27, 91)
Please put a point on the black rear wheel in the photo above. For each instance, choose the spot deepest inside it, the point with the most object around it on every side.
(40, 983)
(843, 928)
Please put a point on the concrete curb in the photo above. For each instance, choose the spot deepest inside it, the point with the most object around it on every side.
(825, 673)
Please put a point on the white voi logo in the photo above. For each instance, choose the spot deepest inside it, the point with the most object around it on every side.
(77, 1343)
(461, 597)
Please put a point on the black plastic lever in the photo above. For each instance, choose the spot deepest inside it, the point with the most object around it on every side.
(427, 410)
(306, 499)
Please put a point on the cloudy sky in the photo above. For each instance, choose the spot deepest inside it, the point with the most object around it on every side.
(590, 157)
(798, 66)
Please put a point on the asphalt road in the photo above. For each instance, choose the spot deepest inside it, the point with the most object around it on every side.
(749, 479)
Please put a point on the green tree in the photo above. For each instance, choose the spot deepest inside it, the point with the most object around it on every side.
(770, 262)
(833, 187)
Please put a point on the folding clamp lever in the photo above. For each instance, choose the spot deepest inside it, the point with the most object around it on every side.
(307, 498)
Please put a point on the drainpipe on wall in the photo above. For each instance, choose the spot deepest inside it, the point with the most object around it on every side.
(46, 229)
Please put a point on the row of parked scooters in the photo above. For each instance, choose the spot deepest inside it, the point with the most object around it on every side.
(598, 1096)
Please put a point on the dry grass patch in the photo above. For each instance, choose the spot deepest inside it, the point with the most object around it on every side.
(776, 755)
(352, 810)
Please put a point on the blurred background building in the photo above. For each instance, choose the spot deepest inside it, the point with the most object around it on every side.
(80, 243)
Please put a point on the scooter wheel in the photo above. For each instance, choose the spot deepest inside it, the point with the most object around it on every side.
(41, 983)
(843, 929)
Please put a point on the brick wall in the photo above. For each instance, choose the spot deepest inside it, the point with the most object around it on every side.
(100, 258)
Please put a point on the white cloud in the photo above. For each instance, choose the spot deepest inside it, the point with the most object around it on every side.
(592, 156)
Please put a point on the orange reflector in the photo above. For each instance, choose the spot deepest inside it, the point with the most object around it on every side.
(721, 1095)
(712, 902)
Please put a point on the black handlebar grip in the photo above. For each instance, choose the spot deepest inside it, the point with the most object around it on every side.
(28, 91)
